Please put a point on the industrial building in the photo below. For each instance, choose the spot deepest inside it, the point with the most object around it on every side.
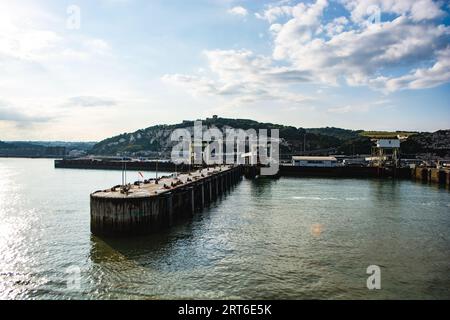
(386, 153)
(318, 162)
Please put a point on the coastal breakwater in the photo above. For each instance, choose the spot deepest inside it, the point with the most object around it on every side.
(346, 172)
(436, 176)
(432, 175)
(158, 204)
(95, 164)
(250, 171)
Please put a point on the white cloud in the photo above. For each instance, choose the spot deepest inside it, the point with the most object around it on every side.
(273, 13)
(91, 101)
(244, 76)
(10, 113)
(417, 10)
(20, 39)
(333, 52)
(357, 54)
(28, 35)
(361, 107)
(420, 78)
(334, 27)
(342, 110)
(238, 11)
(42, 64)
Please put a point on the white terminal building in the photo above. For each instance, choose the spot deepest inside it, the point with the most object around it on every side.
(388, 143)
(386, 152)
(318, 162)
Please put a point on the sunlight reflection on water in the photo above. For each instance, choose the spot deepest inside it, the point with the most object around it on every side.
(288, 238)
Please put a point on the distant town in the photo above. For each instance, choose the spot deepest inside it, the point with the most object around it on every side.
(298, 146)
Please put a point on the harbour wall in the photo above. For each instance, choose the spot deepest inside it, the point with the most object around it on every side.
(250, 171)
(437, 176)
(119, 165)
(127, 216)
(346, 172)
(432, 175)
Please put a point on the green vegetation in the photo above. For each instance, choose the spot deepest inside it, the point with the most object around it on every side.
(157, 138)
(360, 145)
(327, 140)
(386, 134)
(343, 134)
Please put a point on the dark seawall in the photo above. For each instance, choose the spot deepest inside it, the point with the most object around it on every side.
(351, 172)
(116, 214)
(119, 165)
(346, 172)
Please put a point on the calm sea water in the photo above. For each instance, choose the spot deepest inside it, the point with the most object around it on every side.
(290, 238)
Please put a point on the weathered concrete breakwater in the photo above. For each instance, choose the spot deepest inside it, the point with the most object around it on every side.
(426, 175)
(251, 171)
(432, 175)
(149, 207)
(346, 172)
(94, 164)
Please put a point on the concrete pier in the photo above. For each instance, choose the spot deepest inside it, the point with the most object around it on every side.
(346, 172)
(151, 206)
(432, 175)
(421, 174)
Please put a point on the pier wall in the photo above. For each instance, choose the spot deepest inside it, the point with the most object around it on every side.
(118, 165)
(345, 172)
(125, 216)
(432, 175)
(447, 180)
(425, 175)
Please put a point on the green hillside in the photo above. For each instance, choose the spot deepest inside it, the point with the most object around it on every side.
(155, 140)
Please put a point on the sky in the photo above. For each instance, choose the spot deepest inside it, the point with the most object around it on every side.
(85, 70)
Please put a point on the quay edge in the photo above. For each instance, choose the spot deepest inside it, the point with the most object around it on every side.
(140, 215)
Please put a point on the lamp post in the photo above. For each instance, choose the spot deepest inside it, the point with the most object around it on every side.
(157, 160)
